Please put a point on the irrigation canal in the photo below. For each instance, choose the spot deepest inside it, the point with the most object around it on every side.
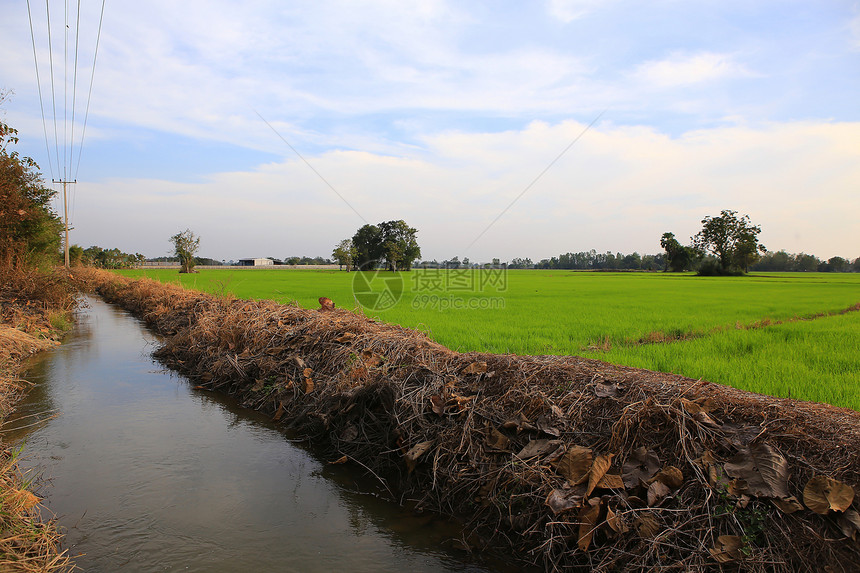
(145, 473)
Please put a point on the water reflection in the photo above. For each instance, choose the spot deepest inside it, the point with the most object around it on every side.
(147, 474)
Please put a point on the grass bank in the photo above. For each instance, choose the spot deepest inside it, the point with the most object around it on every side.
(777, 334)
(572, 463)
(34, 312)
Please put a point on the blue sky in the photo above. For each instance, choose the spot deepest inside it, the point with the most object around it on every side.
(442, 113)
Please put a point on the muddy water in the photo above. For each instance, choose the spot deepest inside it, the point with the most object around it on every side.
(147, 474)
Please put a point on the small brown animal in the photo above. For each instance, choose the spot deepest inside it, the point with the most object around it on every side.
(326, 303)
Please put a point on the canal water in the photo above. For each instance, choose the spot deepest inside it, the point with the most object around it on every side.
(144, 473)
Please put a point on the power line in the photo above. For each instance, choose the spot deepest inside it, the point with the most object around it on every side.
(53, 88)
(90, 93)
(39, 84)
(75, 83)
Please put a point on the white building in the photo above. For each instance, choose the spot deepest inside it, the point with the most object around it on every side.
(255, 262)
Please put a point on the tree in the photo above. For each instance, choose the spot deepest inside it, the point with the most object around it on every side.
(367, 242)
(399, 245)
(733, 240)
(392, 243)
(185, 246)
(678, 257)
(344, 253)
(29, 229)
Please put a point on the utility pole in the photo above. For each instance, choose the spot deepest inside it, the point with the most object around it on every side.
(66, 216)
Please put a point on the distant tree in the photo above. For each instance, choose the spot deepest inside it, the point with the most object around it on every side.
(856, 265)
(344, 253)
(185, 246)
(733, 240)
(519, 263)
(806, 263)
(632, 261)
(838, 265)
(105, 258)
(367, 242)
(454, 263)
(399, 245)
(678, 257)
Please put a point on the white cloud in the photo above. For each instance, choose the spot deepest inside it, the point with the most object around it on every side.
(681, 69)
(569, 10)
(619, 188)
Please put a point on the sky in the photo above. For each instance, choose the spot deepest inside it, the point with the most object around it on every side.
(498, 129)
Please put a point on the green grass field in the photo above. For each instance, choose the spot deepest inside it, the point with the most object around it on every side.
(695, 326)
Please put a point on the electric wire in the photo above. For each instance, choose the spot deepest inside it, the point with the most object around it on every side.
(65, 87)
(39, 84)
(53, 88)
(90, 93)
(75, 82)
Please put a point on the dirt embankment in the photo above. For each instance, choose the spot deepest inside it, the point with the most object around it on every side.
(34, 309)
(572, 463)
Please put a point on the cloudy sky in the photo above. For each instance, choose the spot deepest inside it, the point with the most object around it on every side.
(276, 128)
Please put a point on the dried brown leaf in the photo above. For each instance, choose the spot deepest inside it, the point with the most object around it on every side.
(538, 448)
(561, 500)
(656, 492)
(727, 548)
(416, 452)
(764, 470)
(823, 493)
(475, 368)
(599, 468)
(340, 460)
(498, 441)
(849, 523)
(670, 476)
(647, 525)
(640, 466)
(788, 505)
(437, 403)
(575, 463)
(587, 525)
(615, 521)
(611, 481)
(607, 389)
(280, 412)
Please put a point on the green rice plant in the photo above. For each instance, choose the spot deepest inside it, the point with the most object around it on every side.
(714, 328)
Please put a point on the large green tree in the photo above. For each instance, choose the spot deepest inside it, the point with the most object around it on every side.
(29, 228)
(390, 243)
(399, 245)
(367, 243)
(732, 239)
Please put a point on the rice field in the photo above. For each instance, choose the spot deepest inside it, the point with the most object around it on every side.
(786, 335)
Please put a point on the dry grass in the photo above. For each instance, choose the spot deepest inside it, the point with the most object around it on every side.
(572, 463)
(31, 304)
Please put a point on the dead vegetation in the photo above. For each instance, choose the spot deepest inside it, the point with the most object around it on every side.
(34, 308)
(572, 463)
